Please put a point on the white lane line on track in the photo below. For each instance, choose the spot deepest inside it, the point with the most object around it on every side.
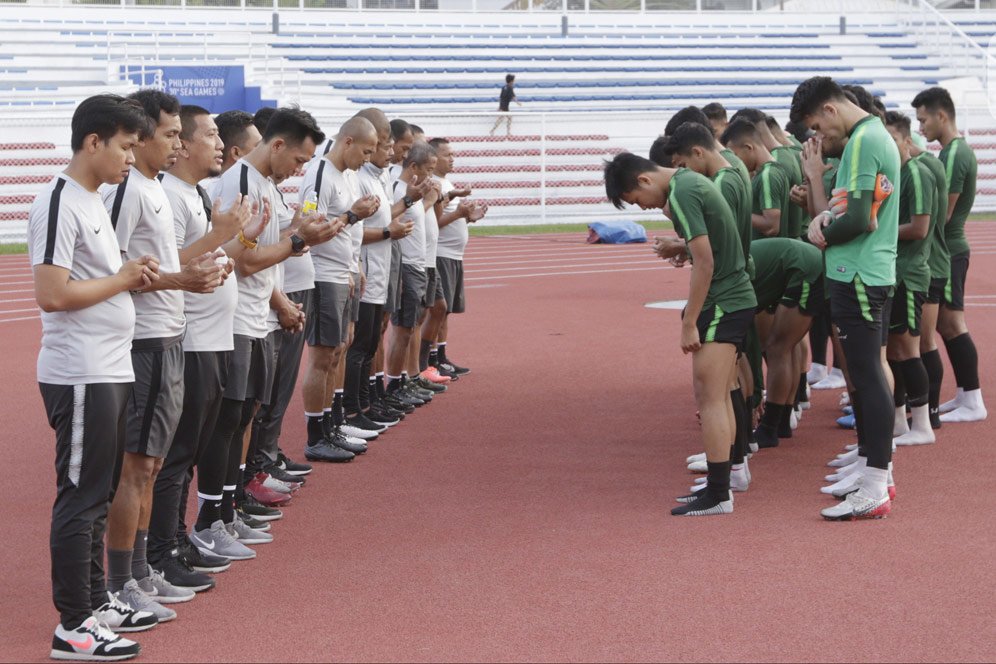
(14, 320)
(565, 274)
(16, 290)
(33, 310)
(18, 299)
(551, 267)
(641, 256)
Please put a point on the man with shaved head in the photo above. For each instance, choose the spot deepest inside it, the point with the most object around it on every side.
(331, 184)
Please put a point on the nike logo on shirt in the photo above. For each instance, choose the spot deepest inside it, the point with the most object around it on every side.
(158, 209)
(96, 230)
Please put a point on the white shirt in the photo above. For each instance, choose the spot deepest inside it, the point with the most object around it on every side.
(209, 315)
(431, 236)
(254, 289)
(337, 191)
(144, 226)
(412, 245)
(91, 345)
(299, 271)
(453, 236)
(376, 256)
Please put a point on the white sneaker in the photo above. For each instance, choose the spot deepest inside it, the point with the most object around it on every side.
(845, 459)
(816, 373)
(833, 381)
(696, 457)
(723, 507)
(858, 505)
(948, 406)
(356, 432)
(91, 642)
(279, 486)
(698, 467)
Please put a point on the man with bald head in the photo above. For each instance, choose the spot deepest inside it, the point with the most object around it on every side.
(332, 184)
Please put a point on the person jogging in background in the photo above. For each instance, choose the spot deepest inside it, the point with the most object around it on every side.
(504, 100)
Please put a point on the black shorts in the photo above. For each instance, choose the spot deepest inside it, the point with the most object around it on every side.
(412, 291)
(330, 302)
(157, 399)
(853, 303)
(806, 295)
(954, 294)
(250, 374)
(431, 286)
(394, 280)
(907, 308)
(937, 287)
(718, 326)
(450, 273)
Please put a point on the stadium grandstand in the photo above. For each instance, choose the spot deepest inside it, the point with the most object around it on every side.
(594, 77)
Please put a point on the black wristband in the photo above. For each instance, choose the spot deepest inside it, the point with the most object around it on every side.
(407, 200)
(387, 234)
(351, 217)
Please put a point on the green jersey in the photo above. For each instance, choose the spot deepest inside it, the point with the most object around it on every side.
(794, 141)
(961, 170)
(737, 196)
(780, 262)
(770, 191)
(916, 197)
(738, 164)
(830, 177)
(939, 259)
(870, 153)
(790, 158)
(698, 209)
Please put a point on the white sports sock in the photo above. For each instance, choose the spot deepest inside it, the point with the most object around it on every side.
(972, 399)
(875, 482)
(899, 424)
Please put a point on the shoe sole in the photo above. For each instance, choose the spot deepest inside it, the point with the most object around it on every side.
(273, 503)
(252, 541)
(267, 517)
(208, 570)
(176, 600)
(314, 458)
(197, 589)
(298, 473)
(230, 557)
(81, 657)
(132, 630)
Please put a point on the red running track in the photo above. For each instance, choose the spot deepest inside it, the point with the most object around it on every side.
(523, 515)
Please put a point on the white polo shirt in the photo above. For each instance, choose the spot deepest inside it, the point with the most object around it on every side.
(337, 191)
(376, 256)
(453, 236)
(412, 245)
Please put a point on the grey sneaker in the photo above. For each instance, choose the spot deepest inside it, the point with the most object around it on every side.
(133, 596)
(119, 617)
(217, 541)
(246, 535)
(155, 585)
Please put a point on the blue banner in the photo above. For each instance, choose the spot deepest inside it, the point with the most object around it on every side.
(216, 88)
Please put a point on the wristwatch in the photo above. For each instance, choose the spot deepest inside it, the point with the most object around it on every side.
(351, 217)
(387, 234)
(297, 244)
(408, 201)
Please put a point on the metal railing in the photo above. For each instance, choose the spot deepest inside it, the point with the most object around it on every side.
(946, 41)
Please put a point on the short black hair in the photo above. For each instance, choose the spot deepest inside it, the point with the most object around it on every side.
(752, 115)
(232, 126)
(772, 123)
(105, 116)
(935, 99)
(416, 129)
(799, 130)
(880, 105)
(688, 136)
(261, 118)
(399, 128)
(155, 102)
(738, 130)
(509, 78)
(621, 173)
(419, 155)
(687, 114)
(900, 121)
(439, 140)
(659, 153)
(714, 111)
(864, 98)
(813, 93)
(188, 114)
(293, 125)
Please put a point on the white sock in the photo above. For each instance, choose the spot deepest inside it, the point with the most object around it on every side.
(899, 424)
(921, 419)
(972, 399)
(875, 482)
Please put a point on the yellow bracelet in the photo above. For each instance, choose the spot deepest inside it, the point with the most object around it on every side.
(246, 242)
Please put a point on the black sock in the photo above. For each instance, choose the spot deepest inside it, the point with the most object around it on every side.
(800, 393)
(118, 568)
(964, 361)
(916, 381)
(327, 423)
(899, 391)
(394, 384)
(441, 349)
(338, 414)
(718, 480)
(379, 382)
(209, 513)
(316, 430)
(227, 506)
(785, 423)
(772, 414)
(139, 561)
(423, 355)
(372, 393)
(739, 448)
(433, 357)
(935, 375)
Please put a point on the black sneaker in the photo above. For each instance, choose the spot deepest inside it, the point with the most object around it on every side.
(381, 414)
(361, 421)
(258, 510)
(426, 384)
(453, 367)
(292, 467)
(323, 450)
(445, 372)
(255, 524)
(337, 439)
(193, 558)
(402, 400)
(276, 472)
(179, 574)
(414, 390)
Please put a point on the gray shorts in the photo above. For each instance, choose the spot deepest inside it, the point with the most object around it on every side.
(330, 307)
(157, 399)
(353, 306)
(413, 288)
(394, 279)
(431, 287)
(250, 374)
(449, 272)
